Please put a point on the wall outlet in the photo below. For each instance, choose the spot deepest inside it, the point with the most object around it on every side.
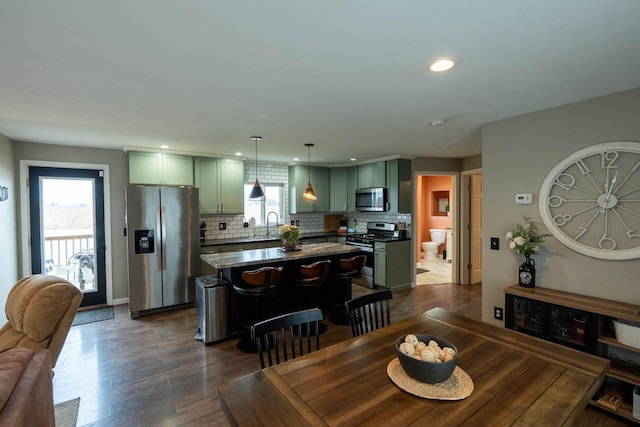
(497, 313)
(297, 222)
(222, 226)
(293, 222)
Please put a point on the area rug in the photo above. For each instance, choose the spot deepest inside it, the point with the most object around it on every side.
(67, 413)
(421, 270)
(95, 315)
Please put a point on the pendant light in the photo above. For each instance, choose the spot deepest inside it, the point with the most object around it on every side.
(256, 191)
(309, 194)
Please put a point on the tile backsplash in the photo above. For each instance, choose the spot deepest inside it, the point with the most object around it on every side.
(309, 222)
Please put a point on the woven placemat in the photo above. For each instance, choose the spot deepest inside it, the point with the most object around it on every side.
(457, 387)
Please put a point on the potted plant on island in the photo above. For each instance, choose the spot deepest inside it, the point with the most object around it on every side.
(290, 236)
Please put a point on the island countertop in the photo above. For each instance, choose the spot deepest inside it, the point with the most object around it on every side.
(274, 255)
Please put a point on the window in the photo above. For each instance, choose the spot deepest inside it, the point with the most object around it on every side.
(259, 208)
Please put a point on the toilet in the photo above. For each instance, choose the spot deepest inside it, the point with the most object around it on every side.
(430, 249)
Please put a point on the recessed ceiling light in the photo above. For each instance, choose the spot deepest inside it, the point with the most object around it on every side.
(238, 154)
(442, 64)
(353, 159)
(164, 146)
(295, 159)
(437, 122)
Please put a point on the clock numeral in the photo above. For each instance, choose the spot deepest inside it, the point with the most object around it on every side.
(583, 167)
(607, 158)
(632, 233)
(556, 201)
(606, 242)
(561, 220)
(565, 181)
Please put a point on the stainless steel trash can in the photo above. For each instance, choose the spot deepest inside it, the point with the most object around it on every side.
(212, 303)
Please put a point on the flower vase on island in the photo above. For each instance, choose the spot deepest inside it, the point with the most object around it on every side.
(290, 236)
(526, 240)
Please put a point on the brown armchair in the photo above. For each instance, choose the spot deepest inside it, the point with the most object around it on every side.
(40, 310)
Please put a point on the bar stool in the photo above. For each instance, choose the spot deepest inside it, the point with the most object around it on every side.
(257, 284)
(312, 282)
(350, 268)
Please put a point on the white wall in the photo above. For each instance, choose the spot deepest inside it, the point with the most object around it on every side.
(8, 225)
(517, 154)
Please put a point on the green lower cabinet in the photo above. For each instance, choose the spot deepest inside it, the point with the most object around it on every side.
(391, 265)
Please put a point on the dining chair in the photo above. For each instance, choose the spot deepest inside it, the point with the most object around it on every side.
(369, 312)
(283, 337)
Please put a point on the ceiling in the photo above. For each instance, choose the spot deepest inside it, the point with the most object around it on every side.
(348, 76)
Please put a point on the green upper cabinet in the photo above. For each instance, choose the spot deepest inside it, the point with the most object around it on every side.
(221, 184)
(352, 186)
(298, 178)
(399, 185)
(339, 189)
(372, 175)
(160, 168)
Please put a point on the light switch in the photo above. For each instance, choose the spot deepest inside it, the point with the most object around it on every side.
(524, 198)
(495, 243)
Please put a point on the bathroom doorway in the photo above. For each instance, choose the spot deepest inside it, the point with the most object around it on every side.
(435, 215)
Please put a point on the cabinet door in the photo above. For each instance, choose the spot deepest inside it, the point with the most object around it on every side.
(177, 170)
(298, 178)
(380, 265)
(144, 168)
(379, 174)
(365, 176)
(339, 189)
(231, 186)
(573, 328)
(207, 177)
(527, 316)
(322, 187)
(352, 186)
(399, 185)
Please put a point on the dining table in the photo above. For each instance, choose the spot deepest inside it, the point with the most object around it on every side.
(512, 379)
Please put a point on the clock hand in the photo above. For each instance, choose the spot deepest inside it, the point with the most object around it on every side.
(609, 188)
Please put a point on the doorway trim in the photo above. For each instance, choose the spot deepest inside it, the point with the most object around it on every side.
(25, 216)
(465, 218)
(455, 187)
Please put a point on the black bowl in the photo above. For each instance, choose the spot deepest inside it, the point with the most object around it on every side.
(427, 372)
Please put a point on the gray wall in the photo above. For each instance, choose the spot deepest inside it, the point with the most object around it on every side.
(517, 155)
(119, 175)
(8, 226)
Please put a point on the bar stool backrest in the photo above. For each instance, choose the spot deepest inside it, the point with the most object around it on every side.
(265, 277)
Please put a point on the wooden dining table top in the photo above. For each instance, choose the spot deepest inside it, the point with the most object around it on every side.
(517, 380)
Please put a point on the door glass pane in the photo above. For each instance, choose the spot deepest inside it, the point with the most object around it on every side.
(68, 230)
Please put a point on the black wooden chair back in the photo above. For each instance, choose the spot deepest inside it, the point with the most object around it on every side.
(369, 312)
(283, 337)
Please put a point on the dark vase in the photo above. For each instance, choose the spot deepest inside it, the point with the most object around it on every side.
(527, 272)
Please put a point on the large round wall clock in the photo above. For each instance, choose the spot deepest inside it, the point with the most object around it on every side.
(590, 201)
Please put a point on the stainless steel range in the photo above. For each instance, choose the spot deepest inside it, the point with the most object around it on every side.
(376, 232)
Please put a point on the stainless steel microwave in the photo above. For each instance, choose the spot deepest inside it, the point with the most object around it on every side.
(371, 199)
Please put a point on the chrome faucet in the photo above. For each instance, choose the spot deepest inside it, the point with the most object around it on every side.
(268, 215)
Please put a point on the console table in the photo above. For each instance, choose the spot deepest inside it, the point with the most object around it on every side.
(580, 322)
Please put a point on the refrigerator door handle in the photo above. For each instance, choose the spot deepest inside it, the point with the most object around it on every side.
(162, 227)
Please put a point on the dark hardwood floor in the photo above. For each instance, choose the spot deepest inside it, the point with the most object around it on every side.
(152, 372)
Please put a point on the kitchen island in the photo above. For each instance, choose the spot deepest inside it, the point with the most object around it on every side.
(230, 266)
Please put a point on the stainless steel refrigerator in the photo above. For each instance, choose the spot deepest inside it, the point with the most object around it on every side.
(163, 246)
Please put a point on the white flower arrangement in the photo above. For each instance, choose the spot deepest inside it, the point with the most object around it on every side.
(289, 232)
(525, 238)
